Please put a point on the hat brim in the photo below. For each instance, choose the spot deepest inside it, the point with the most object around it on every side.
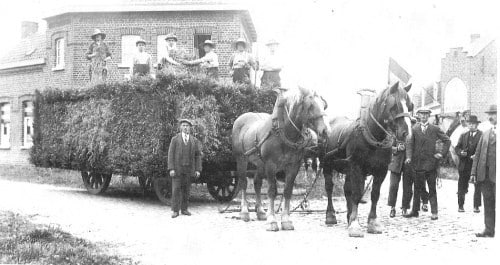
(137, 42)
(185, 121)
(94, 35)
(208, 44)
(490, 111)
(171, 38)
(424, 111)
(235, 45)
(272, 43)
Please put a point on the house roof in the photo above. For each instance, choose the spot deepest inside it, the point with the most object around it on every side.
(93, 6)
(475, 47)
(29, 51)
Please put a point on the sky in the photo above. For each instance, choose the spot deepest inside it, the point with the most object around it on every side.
(336, 46)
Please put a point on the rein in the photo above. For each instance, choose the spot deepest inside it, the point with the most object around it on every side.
(368, 135)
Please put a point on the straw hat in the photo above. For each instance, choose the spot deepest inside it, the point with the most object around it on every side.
(140, 41)
(238, 41)
(97, 32)
(171, 36)
(209, 43)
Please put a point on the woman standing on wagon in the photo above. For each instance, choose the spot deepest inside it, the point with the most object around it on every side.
(209, 62)
(98, 54)
(240, 63)
(271, 67)
(142, 64)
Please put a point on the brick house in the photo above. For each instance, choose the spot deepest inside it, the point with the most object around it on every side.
(56, 57)
(468, 80)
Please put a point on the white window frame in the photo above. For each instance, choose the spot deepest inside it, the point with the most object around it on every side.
(27, 123)
(128, 49)
(5, 125)
(59, 56)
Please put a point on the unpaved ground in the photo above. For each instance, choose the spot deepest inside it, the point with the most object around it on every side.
(142, 229)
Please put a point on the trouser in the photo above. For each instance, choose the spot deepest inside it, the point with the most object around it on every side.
(463, 188)
(407, 189)
(488, 190)
(181, 184)
(421, 177)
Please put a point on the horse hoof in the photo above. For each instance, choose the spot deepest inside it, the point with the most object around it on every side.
(273, 227)
(330, 219)
(287, 226)
(261, 216)
(355, 231)
(245, 216)
(374, 227)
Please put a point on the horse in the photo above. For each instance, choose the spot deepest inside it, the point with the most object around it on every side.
(276, 145)
(363, 147)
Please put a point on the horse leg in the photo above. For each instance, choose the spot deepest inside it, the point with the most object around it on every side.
(257, 183)
(373, 224)
(291, 173)
(357, 183)
(242, 164)
(348, 198)
(271, 195)
(330, 211)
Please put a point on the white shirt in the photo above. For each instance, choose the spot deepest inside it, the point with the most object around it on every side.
(185, 137)
(210, 60)
(271, 62)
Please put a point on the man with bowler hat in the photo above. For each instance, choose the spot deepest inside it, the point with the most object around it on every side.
(465, 149)
(484, 170)
(424, 158)
(184, 162)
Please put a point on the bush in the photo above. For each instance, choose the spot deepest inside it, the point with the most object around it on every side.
(126, 127)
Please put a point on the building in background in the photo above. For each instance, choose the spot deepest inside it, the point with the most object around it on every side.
(56, 57)
(468, 80)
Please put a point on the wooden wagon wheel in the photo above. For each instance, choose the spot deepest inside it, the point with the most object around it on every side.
(146, 183)
(95, 182)
(223, 187)
(163, 189)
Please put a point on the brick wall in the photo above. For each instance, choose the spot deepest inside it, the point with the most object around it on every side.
(16, 86)
(224, 26)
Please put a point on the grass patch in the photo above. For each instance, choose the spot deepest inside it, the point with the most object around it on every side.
(24, 242)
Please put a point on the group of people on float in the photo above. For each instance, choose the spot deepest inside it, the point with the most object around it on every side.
(417, 162)
(240, 64)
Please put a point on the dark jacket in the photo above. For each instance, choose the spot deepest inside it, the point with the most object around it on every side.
(174, 154)
(421, 147)
(397, 160)
(464, 145)
(481, 156)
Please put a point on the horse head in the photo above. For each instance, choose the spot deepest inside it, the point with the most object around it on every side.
(307, 109)
(392, 109)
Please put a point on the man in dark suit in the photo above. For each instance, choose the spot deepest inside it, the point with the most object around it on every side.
(398, 168)
(465, 149)
(484, 170)
(184, 162)
(422, 154)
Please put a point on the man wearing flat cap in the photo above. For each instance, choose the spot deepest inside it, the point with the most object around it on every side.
(465, 149)
(484, 170)
(421, 153)
(184, 162)
(173, 55)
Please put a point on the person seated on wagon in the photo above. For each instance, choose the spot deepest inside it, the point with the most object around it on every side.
(98, 54)
(271, 67)
(174, 55)
(241, 62)
(142, 64)
(209, 62)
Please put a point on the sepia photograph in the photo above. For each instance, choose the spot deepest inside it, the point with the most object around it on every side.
(161, 132)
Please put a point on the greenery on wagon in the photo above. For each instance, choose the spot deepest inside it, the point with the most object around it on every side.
(126, 127)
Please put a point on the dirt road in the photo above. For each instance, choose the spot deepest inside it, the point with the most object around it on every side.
(142, 229)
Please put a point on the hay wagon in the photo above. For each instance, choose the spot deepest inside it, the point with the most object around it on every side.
(125, 129)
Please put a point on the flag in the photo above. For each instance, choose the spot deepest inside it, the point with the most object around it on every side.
(399, 72)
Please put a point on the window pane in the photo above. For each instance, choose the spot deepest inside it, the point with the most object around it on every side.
(60, 52)
(128, 48)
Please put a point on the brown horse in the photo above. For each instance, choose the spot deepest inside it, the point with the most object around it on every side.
(276, 145)
(363, 147)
